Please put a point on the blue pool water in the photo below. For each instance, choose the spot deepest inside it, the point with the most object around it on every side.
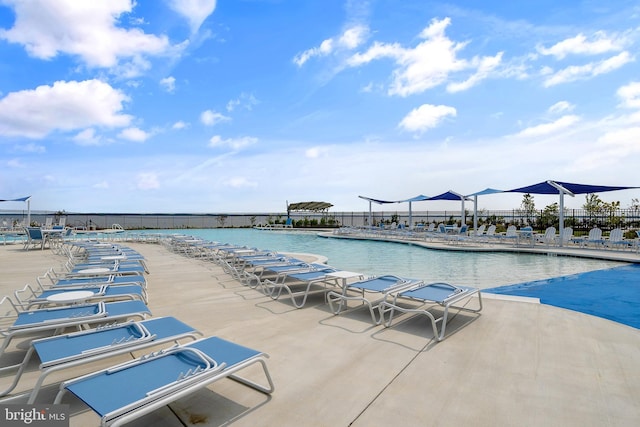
(484, 270)
(612, 293)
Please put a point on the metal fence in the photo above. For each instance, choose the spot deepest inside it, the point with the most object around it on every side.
(579, 219)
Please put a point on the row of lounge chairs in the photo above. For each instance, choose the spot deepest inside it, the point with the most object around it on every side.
(102, 294)
(514, 236)
(280, 276)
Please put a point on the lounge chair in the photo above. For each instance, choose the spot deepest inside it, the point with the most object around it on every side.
(489, 234)
(49, 320)
(29, 298)
(128, 391)
(35, 238)
(525, 235)
(429, 296)
(567, 236)
(110, 279)
(458, 235)
(278, 272)
(379, 287)
(309, 282)
(549, 236)
(510, 234)
(80, 348)
(616, 240)
(479, 232)
(594, 237)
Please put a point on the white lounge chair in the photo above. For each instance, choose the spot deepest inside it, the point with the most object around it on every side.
(593, 238)
(616, 240)
(549, 236)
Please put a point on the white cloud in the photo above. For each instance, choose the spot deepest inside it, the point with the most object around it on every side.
(147, 181)
(16, 163)
(586, 71)
(316, 152)
(134, 134)
(195, 11)
(562, 123)
(101, 185)
(561, 107)
(630, 95)
(240, 182)
(426, 117)
(428, 64)
(233, 143)
(353, 37)
(87, 137)
(87, 29)
(179, 125)
(31, 148)
(211, 118)
(245, 100)
(599, 43)
(484, 68)
(64, 106)
(168, 84)
(350, 39)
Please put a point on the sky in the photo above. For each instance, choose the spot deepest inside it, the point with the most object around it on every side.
(205, 106)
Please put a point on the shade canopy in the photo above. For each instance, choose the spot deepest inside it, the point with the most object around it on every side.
(378, 201)
(452, 195)
(418, 198)
(475, 195)
(485, 192)
(309, 206)
(555, 187)
(22, 199)
(562, 188)
(449, 195)
(545, 187)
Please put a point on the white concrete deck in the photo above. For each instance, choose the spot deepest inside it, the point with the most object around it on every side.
(516, 364)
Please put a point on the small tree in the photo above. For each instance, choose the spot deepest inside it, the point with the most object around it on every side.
(221, 220)
(549, 216)
(593, 207)
(610, 209)
(527, 208)
(635, 210)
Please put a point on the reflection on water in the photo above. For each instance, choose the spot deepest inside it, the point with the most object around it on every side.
(483, 270)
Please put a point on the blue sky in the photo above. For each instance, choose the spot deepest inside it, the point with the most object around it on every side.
(242, 105)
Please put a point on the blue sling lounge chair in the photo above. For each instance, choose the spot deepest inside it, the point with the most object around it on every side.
(429, 296)
(35, 238)
(128, 391)
(79, 348)
(110, 279)
(379, 287)
(309, 282)
(50, 320)
(30, 298)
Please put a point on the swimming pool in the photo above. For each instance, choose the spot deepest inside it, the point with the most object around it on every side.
(612, 293)
(483, 270)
